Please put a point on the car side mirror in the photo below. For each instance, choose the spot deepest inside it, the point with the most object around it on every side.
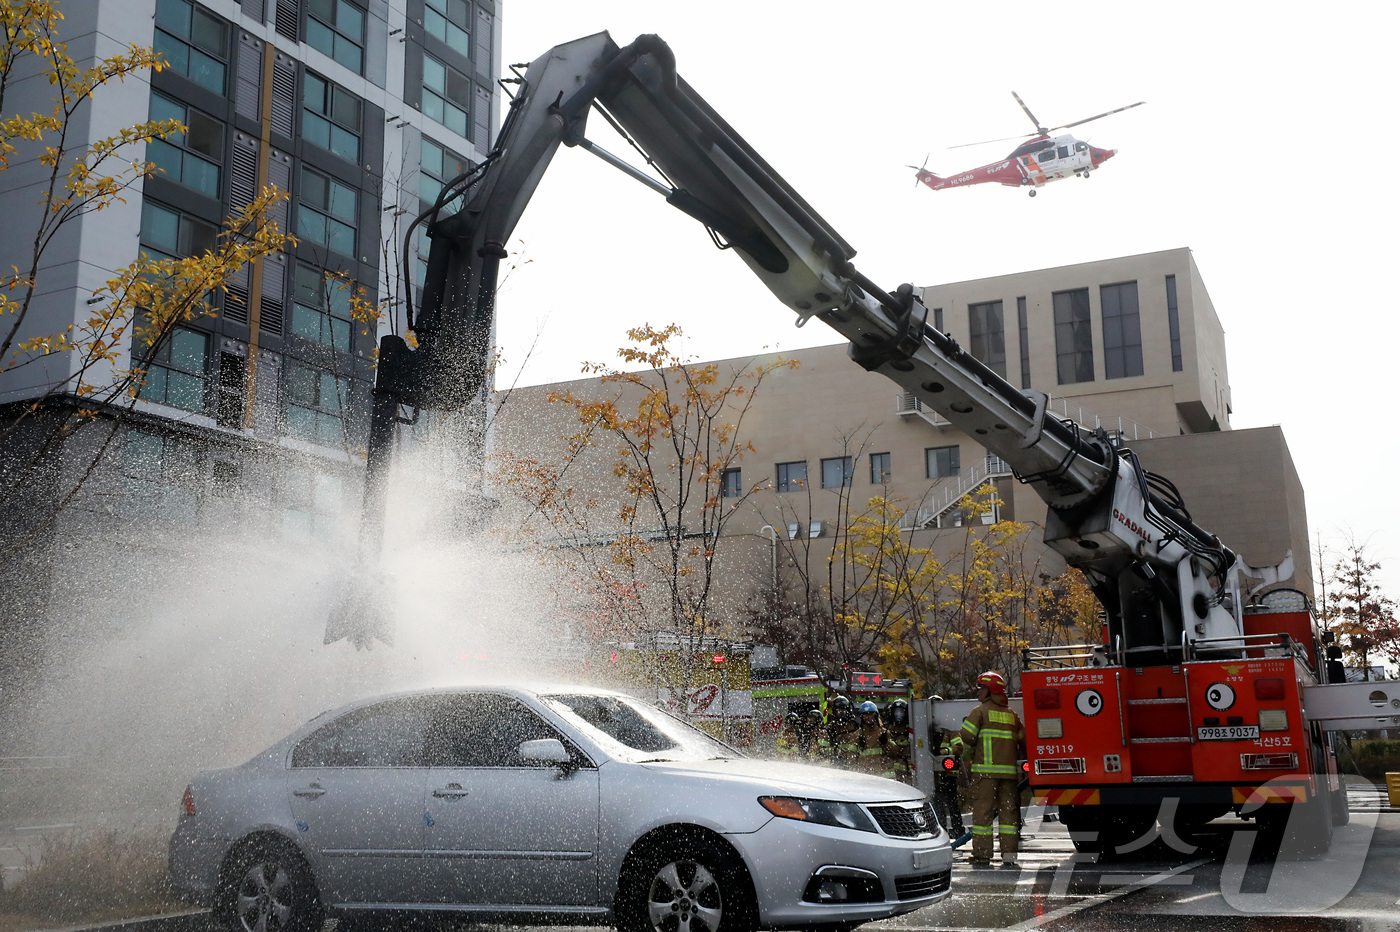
(547, 751)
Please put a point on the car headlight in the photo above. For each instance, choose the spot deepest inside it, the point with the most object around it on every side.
(820, 811)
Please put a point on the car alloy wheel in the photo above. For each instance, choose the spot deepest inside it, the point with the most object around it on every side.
(274, 893)
(685, 897)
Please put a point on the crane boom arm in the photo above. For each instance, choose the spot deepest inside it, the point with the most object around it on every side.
(1104, 516)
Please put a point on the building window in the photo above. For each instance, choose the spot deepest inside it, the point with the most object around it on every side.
(176, 371)
(836, 472)
(157, 477)
(436, 168)
(792, 477)
(447, 95)
(942, 462)
(327, 212)
(879, 468)
(191, 158)
(322, 312)
(1122, 331)
(984, 322)
(448, 20)
(733, 483)
(337, 29)
(1074, 338)
(1173, 323)
(169, 234)
(1023, 333)
(938, 319)
(331, 117)
(316, 405)
(193, 41)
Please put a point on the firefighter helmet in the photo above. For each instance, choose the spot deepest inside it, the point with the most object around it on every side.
(793, 719)
(993, 681)
(870, 707)
(841, 704)
(814, 716)
(899, 711)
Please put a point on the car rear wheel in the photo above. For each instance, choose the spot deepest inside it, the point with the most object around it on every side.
(686, 885)
(271, 890)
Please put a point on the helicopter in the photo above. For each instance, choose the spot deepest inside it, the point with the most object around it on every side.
(1035, 162)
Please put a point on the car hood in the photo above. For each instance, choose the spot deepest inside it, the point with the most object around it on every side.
(784, 779)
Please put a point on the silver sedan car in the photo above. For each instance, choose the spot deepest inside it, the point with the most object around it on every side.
(547, 806)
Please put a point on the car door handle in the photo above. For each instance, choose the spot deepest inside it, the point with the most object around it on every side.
(311, 792)
(451, 791)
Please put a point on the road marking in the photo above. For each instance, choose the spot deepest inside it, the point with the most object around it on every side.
(1073, 908)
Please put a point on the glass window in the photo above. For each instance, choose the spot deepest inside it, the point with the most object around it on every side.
(387, 734)
(988, 335)
(331, 117)
(327, 212)
(157, 477)
(1074, 338)
(792, 477)
(449, 20)
(938, 319)
(337, 28)
(176, 370)
(1122, 331)
(1174, 323)
(321, 311)
(437, 167)
(169, 234)
(1023, 330)
(836, 472)
(191, 158)
(1063, 152)
(316, 405)
(446, 95)
(485, 730)
(193, 41)
(879, 468)
(942, 462)
(733, 483)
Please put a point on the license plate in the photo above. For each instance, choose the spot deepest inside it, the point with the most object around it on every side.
(1226, 732)
(923, 859)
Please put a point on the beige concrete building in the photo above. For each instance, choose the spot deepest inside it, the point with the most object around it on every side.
(1131, 345)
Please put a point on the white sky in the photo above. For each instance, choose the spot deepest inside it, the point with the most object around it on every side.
(1267, 146)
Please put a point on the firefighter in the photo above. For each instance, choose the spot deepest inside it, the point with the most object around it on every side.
(897, 748)
(818, 745)
(789, 739)
(871, 741)
(993, 735)
(841, 729)
(945, 794)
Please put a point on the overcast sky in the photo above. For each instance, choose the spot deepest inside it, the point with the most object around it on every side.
(1267, 146)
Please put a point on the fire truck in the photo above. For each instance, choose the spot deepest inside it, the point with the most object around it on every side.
(1191, 698)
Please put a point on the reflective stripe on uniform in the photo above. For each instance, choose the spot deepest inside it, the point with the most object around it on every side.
(1008, 829)
(981, 830)
(1002, 718)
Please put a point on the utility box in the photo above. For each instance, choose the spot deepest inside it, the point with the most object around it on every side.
(1392, 788)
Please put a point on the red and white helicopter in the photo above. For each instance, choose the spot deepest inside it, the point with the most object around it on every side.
(1035, 162)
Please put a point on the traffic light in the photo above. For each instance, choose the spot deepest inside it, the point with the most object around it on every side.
(717, 659)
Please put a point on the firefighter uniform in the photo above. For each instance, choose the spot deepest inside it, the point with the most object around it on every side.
(897, 747)
(841, 731)
(993, 734)
(871, 741)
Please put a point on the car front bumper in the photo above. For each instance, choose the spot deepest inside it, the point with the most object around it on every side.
(785, 856)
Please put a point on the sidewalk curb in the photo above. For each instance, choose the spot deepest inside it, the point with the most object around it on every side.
(165, 922)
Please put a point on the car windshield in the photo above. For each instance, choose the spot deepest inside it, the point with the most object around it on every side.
(633, 731)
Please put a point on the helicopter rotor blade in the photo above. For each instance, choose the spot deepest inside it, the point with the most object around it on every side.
(1036, 123)
(1101, 115)
(984, 142)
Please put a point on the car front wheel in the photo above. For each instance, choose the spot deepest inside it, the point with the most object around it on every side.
(272, 891)
(689, 885)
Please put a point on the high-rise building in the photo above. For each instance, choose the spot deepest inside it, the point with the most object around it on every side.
(361, 111)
